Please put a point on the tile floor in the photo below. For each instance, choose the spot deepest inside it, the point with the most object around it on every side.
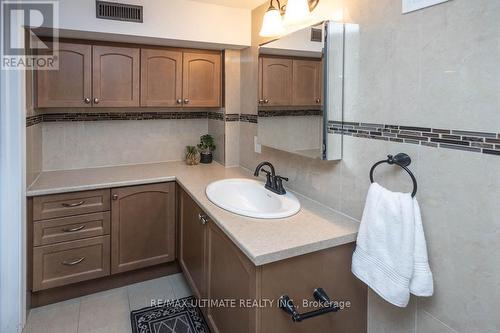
(107, 311)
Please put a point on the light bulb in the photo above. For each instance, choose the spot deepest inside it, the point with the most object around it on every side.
(297, 11)
(272, 24)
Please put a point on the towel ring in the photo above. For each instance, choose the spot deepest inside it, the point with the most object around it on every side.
(401, 159)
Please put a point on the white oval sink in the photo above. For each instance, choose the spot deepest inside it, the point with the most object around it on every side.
(248, 197)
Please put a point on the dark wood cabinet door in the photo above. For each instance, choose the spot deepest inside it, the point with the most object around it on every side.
(161, 77)
(192, 238)
(306, 82)
(142, 226)
(277, 81)
(115, 76)
(201, 85)
(70, 85)
(231, 276)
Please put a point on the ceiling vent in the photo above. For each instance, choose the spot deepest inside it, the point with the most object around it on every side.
(118, 11)
(316, 35)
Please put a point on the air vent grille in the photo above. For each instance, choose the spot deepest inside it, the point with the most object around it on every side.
(316, 35)
(118, 11)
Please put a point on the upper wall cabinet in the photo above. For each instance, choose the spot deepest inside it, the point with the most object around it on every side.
(307, 76)
(71, 85)
(290, 82)
(115, 79)
(276, 81)
(161, 77)
(110, 76)
(201, 79)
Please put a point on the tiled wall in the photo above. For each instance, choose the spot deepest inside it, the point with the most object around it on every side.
(84, 144)
(437, 69)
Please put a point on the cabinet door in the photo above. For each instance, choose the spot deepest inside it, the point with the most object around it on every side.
(115, 76)
(201, 80)
(306, 82)
(261, 98)
(161, 77)
(277, 81)
(230, 276)
(70, 85)
(192, 238)
(142, 226)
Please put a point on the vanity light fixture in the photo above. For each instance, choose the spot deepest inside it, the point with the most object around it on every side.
(272, 24)
(295, 12)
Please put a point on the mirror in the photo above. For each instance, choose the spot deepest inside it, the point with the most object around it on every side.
(301, 91)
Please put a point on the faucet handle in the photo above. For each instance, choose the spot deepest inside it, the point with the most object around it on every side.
(279, 184)
(269, 182)
(283, 178)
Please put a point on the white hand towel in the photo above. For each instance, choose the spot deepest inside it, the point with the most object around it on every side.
(421, 282)
(391, 254)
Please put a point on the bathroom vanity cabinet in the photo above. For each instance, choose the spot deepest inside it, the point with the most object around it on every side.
(81, 236)
(96, 74)
(142, 226)
(216, 269)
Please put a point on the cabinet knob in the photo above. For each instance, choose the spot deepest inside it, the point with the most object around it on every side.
(203, 218)
(115, 196)
(261, 101)
(266, 101)
(179, 101)
(186, 100)
(318, 100)
(87, 100)
(96, 100)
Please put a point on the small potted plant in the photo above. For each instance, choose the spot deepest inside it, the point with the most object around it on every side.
(192, 155)
(206, 147)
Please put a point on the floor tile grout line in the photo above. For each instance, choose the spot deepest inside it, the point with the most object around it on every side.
(78, 317)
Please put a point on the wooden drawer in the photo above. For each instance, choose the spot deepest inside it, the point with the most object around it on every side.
(70, 262)
(68, 204)
(71, 228)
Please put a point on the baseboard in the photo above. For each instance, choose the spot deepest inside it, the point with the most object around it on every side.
(79, 289)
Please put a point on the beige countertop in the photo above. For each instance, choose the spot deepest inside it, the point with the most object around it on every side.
(314, 227)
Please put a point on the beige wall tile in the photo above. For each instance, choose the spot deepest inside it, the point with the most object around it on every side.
(33, 152)
(385, 317)
(459, 194)
(428, 324)
(73, 145)
(232, 143)
(232, 68)
(216, 130)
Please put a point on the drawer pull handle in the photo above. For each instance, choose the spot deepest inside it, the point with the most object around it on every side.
(74, 229)
(203, 218)
(73, 262)
(76, 204)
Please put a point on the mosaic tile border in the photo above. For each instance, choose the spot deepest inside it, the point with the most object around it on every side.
(87, 116)
(99, 116)
(224, 117)
(249, 118)
(289, 113)
(33, 120)
(232, 117)
(479, 142)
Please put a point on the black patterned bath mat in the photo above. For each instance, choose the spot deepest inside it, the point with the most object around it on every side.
(177, 316)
